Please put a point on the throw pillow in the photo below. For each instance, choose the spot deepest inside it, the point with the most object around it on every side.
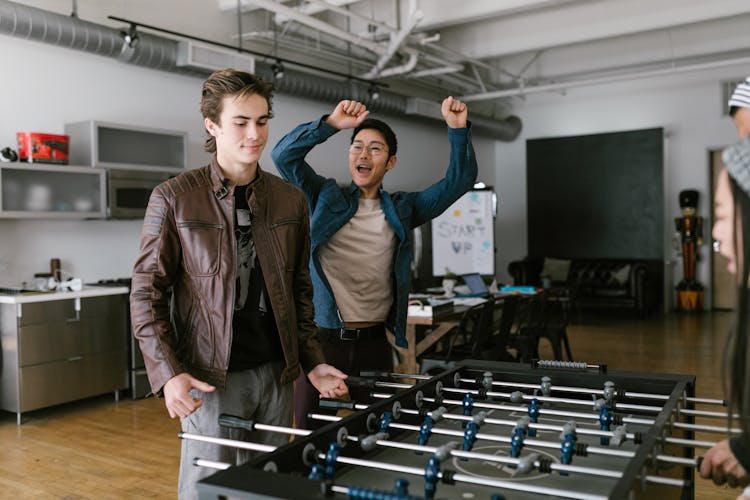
(555, 269)
(622, 275)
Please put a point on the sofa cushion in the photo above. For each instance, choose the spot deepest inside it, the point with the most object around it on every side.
(555, 269)
(622, 275)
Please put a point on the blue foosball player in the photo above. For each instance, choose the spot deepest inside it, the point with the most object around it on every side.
(331, 455)
(317, 472)
(470, 435)
(401, 488)
(425, 430)
(533, 411)
(385, 421)
(567, 449)
(605, 421)
(467, 404)
(516, 442)
(431, 473)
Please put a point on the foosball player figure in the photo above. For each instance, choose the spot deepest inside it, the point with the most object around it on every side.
(690, 230)
(533, 412)
(425, 430)
(467, 404)
(401, 487)
(605, 421)
(470, 435)
(385, 421)
(516, 442)
(567, 448)
(546, 386)
(609, 393)
(431, 473)
(331, 455)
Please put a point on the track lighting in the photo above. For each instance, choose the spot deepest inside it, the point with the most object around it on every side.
(130, 37)
(278, 70)
(374, 92)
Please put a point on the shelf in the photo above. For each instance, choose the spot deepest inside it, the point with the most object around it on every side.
(52, 192)
(111, 145)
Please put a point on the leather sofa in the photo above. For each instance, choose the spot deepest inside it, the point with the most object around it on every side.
(624, 284)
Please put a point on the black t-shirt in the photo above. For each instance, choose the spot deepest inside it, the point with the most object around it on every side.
(255, 338)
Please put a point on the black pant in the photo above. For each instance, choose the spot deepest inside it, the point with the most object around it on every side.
(351, 357)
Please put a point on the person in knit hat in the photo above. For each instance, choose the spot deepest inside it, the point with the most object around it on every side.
(739, 108)
(729, 461)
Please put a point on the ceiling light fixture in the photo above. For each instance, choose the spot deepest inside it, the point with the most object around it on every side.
(278, 70)
(130, 37)
(374, 92)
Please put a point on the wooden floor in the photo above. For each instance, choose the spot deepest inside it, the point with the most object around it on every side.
(106, 450)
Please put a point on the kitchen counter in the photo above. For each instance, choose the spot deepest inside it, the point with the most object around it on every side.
(87, 291)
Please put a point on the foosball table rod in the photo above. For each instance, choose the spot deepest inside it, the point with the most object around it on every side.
(590, 416)
(576, 390)
(447, 477)
(508, 395)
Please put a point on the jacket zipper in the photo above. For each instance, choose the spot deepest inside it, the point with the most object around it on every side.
(200, 224)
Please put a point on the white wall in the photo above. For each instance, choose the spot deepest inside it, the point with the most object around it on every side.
(687, 106)
(50, 86)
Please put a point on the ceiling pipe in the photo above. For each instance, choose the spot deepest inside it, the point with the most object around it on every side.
(319, 25)
(159, 53)
(561, 86)
(397, 39)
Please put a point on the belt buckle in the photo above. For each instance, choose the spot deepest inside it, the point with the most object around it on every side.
(349, 334)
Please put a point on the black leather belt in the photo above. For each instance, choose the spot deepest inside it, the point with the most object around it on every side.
(364, 333)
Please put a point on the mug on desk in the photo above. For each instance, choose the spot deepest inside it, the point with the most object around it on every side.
(448, 285)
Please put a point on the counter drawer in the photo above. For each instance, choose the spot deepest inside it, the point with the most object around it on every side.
(42, 313)
(54, 383)
(56, 342)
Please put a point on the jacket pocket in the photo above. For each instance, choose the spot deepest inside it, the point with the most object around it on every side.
(201, 246)
(287, 237)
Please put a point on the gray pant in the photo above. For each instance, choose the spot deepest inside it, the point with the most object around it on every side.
(253, 394)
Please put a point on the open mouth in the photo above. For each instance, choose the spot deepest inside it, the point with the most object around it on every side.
(363, 169)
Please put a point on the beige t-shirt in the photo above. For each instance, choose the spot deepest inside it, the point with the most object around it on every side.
(358, 263)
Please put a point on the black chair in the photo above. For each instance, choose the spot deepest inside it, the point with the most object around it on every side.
(465, 341)
(547, 317)
(496, 348)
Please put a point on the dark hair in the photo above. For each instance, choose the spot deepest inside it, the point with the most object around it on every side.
(228, 82)
(733, 110)
(383, 128)
(738, 348)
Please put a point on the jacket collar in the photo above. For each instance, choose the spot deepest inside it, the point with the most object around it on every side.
(223, 187)
(353, 188)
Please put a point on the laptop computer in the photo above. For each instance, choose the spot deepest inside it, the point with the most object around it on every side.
(477, 286)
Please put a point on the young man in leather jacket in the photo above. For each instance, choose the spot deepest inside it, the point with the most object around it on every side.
(361, 234)
(221, 299)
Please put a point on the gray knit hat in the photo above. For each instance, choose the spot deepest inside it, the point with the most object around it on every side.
(737, 159)
(741, 95)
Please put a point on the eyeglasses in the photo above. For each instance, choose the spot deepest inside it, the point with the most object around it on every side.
(372, 150)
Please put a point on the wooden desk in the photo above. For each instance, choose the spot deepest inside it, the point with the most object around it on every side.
(442, 324)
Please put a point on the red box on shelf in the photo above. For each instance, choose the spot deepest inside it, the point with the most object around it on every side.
(36, 147)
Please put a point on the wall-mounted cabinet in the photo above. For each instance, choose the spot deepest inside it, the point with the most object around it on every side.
(110, 145)
(52, 192)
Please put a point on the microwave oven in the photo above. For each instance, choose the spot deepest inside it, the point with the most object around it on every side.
(128, 191)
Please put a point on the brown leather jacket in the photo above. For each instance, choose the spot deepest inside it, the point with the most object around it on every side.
(188, 246)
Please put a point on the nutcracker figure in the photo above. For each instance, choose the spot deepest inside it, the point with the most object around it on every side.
(690, 230)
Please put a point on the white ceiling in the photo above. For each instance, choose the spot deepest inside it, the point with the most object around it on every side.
(494, 49)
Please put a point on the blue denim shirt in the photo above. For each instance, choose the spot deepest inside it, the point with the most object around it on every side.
(331, 206)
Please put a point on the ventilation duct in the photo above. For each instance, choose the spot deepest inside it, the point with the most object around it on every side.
(205, 57)
(160, 53)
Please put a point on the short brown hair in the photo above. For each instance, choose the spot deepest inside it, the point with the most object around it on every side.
(228, 82)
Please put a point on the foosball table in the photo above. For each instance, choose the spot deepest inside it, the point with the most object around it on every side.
(484, 430)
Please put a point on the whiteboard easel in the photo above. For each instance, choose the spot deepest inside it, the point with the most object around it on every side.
(463, 236)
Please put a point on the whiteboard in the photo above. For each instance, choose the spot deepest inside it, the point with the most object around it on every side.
(463, 236)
